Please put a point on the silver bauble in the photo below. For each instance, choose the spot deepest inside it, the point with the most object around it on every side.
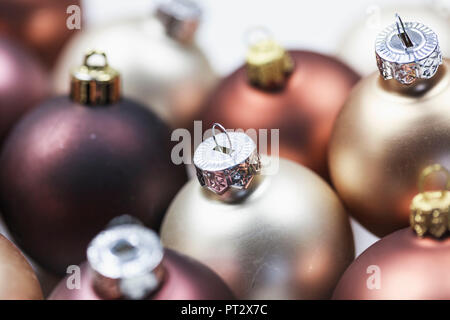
(168, 73)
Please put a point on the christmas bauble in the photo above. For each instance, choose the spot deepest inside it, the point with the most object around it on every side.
(391, 127)
(128, 262)
(40, 25)
(409, 263)
(356, 47)
(285, 91)
(161, 65)
(22, 84)
(282, 234)
(73, 163)
(17, 278)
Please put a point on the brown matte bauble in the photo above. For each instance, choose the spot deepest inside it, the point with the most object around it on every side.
(22, 84)
(303, 109)
(184, 279)
(40, 25)
(399, 266)
(386, 134)
(17, 279)
(68, 168)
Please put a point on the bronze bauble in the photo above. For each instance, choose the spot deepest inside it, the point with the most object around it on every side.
(406, 266)
(68, 168)
(385, 135)
(22, 84)
(290, 238)
(17, 279)
(304, 108)
(169, 76)
(40, 25)
(184, 279)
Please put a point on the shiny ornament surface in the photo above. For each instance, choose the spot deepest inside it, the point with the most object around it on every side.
(170, 76)
(185, 279)
(303, 108)
(289, 238)
(385, 135)
(40, 25)
(356, 47)
(409, 267)
(22, 84)
(17, 279)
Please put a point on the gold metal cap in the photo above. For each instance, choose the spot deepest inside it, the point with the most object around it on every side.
(268, 64)
(95, 84)
(430, 209)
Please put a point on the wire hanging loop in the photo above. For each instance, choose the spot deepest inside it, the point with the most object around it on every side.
(430, 170)
(218, 147)
(402, 34)
(92, 53)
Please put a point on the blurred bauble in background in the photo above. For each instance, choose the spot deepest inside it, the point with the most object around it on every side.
(128, 262)
(72, 164)
(17, 279)
(409, 263)
(22, 84)
(391, 128)
(40, 25)
(161, 65)
(356, 48)
(282, 234)
(298, 92)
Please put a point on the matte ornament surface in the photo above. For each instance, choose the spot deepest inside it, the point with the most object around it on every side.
(289, 238)
(185, 279)
(385, 135)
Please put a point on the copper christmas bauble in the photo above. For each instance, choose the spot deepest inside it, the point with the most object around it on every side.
(17, 278)
(128, 262)
(40, 25)
(281, 234)
(161, 65)
(301, 100)
(356, 47)
(390, 129)
(409, 263)
(22, 84)
(75, 162)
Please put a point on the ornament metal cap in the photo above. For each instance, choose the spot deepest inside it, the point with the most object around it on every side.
(95, 84)
(268, 64)
(180, 18)
(126, 260)
(407, 52)
(430, 209)
(228, 160)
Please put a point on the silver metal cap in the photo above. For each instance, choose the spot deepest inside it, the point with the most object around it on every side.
(226, 160)
(180, 18)
(126, 261)
(407, 52)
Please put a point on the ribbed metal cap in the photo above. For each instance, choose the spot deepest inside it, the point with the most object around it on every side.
(407, 52)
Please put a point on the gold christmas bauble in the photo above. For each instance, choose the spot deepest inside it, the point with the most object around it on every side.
(390, 129)
(287, 237)
(161, 65)
(356, 47)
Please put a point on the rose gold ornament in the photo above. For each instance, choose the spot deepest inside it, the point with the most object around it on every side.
(410, 263)
(17, 278)
(392, 126)
(128, 262)
(161, 64)
(271, 232)
(297, 92)
(75, 162)
(22, 84)
(40, 25)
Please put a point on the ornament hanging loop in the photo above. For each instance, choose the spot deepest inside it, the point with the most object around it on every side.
(92, 53)
(434, 168)
(257, 34)
(402, 34)
(218, 147)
